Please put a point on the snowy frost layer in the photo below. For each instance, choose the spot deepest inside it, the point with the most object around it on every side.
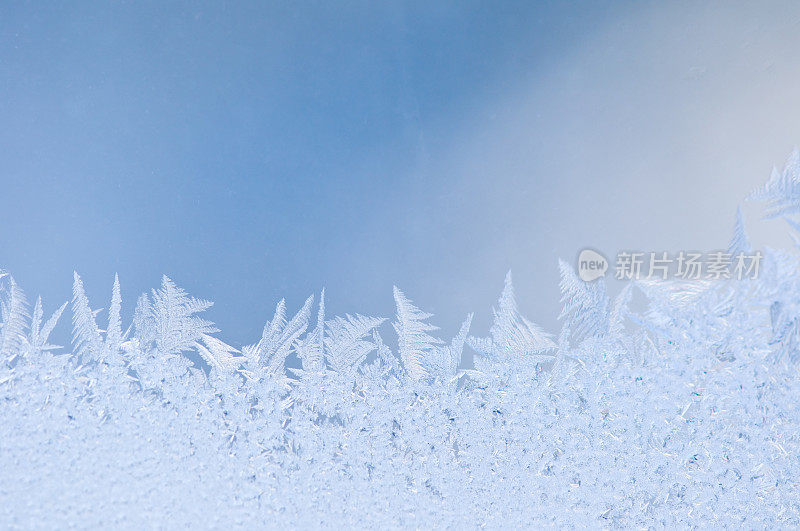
(685, 411)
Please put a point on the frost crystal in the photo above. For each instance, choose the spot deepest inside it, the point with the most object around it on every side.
(679, 411)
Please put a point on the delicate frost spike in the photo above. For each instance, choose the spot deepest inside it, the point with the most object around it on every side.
(258, 354)
(39, 335)
(585, 311)
(311, 351)
(319, 331)
(114, 330)
(616, 319)
(457, 344)
(278, 318)
(345, 346)
(171, 322)
(782, 190)
(36, 323)
(385, 354)
(278, 338)
(764, 191)
(291, 332)
(85, 333)
(445, 360)
(740, 243)
(49, 325)
(36, 320)
(508, 302)
(175, 325)
(218, 354)
(512, 331)
(511, 334)
(414, 341)
(14, 319)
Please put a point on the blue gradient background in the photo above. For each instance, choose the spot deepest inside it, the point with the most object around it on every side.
(253, 151)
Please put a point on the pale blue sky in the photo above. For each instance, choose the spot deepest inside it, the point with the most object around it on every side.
(258, 150)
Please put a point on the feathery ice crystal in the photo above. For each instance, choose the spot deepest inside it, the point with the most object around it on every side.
(684, 412)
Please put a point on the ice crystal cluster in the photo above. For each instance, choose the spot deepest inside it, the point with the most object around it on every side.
(683, 410)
